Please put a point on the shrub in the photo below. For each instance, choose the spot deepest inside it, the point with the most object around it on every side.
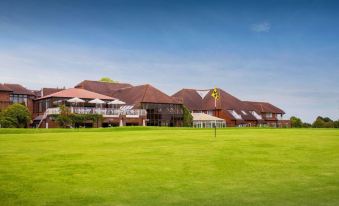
(66, 119)
(296, 122)
(15, 116)
(187, 117)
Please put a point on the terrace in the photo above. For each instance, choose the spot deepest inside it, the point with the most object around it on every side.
(106, 112)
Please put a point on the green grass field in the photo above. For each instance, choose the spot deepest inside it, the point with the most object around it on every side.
(164, 166)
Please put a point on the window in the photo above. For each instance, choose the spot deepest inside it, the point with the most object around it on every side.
(256, 115)
(210, 112)
(235, 114)
(18, 98)
(269, 115)
(163, 114)
(242, 111)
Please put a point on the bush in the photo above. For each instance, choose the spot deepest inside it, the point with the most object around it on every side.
(306, 125)
(187, 117)
(15, 116)
(66, 119)
(296, 122)
(336, 124)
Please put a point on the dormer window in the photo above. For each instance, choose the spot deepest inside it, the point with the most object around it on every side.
(235, 114)
(256, 115)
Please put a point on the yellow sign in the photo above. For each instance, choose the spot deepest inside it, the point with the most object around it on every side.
(215, 94)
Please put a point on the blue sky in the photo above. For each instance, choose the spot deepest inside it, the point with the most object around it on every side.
(284, 52)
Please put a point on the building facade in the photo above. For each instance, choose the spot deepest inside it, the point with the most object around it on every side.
(143, 105)
(235, 112)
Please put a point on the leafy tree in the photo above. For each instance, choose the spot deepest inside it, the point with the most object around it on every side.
(63, 118)
(66, 119)
(187, 117)
(336, 124)
(107, 79)
(322, 122)
(296, 122)
(15, 116)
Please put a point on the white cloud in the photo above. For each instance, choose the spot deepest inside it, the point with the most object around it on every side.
(261, 27)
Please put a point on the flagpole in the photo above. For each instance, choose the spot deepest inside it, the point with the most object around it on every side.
(215, 123)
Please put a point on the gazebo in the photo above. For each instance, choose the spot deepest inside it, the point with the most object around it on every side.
(202, 120)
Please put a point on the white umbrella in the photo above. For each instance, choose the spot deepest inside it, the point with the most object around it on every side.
(76, 100)
(116, 102)
(97, 101)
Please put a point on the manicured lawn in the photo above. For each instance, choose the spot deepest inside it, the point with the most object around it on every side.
(163, 166)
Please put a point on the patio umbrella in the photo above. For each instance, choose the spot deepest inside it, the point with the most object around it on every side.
(76, 100)
(116, 102)
(97, 101)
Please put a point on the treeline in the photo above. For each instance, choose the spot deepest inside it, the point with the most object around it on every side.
(320, 122)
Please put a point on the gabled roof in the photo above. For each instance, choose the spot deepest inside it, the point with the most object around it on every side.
(80, 93)
(260, 107)
(4, 88)
(194, 101)
(48, 91)
(144, 94)
(104, 88)
(18, 89)
(226, 101)
(190, 98)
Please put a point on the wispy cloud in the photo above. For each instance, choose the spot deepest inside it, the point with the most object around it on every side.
(261, 27)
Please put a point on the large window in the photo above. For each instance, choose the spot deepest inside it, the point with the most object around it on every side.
(269, 115)
(163, 114)
(18, 98)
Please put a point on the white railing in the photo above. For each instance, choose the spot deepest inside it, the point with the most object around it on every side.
(103, 111)
(51, 111)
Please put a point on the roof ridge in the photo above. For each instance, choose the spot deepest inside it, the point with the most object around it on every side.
(143, 96)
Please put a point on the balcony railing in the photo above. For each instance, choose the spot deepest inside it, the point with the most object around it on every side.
(103, 111)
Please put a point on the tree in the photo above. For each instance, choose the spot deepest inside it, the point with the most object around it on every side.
(323, 122)
(296, 122)
(336, 124)
(187, 117)
(306, 125)
(63, 118)
(107, 79)
(66, 119)
(15, 116)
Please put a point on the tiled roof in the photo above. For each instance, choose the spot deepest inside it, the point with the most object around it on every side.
(4, 88)
(143, 94)
(18, 89)
(190, 98)
(263, 107)
(48, 91)
(194, 101)
(80, 93)
(104, 88)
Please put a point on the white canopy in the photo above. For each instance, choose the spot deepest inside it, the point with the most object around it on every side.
(76, 100)
(116, 102)
(97, 101)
